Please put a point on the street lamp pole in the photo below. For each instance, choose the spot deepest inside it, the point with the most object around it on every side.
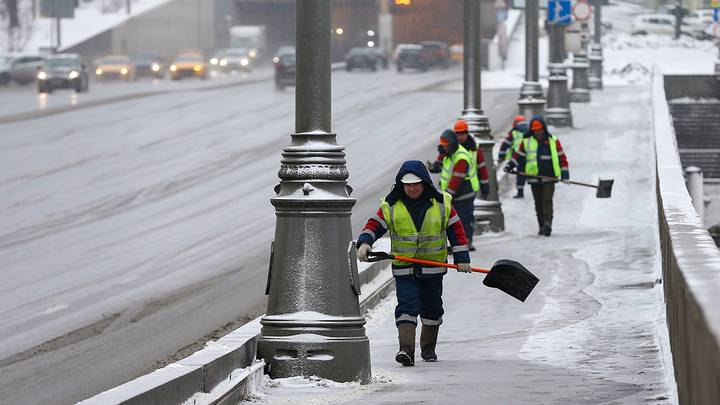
(313, 324)
(596, 49)
(488, 213)
(558, 105)
(532, 101)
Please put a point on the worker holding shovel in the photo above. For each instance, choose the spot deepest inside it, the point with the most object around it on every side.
(421, 221)
(541, 155)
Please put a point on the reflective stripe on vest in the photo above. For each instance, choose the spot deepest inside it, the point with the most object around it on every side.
(428, 244)
(516, 141)
(531, 157)
(450, 161)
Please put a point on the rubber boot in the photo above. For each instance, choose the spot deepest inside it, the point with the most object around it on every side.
(406, 336)
(547, 228)
(520, 194)
(541, 227)
(428, 339)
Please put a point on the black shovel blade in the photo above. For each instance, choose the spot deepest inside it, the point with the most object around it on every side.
(512, 278)
(604, 188)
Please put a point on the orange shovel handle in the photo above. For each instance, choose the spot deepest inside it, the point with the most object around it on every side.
(432, 263)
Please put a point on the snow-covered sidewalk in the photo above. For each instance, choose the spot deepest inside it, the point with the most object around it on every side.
(592, 331)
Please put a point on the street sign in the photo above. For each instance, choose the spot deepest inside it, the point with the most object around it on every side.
(57, 8)
(582, 10)
(559, 12)
(520, 4)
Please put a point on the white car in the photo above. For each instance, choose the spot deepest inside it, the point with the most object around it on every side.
(662, 24)
(697, 22)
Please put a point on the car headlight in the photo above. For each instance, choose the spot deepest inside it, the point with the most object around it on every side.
(214, 61)
(42, 76)
(244, 62)
(276, 59)
(223, 62)
(98, 72)
(252, 54)
(197, 68)
(73, 75)
(155, 67)
(173, 68)
(124, 71)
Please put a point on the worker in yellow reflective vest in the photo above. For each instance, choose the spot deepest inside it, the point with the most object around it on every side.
(541, 154)
(510, 145)
(421, 222)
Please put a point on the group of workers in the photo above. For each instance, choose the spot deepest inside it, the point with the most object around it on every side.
(422, 220)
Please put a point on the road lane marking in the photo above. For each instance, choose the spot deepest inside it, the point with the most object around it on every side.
(54, 309)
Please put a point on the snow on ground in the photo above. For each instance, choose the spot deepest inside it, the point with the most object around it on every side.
(630, 59)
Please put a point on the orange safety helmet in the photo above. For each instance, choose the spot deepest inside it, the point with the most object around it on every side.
(536, 125)
(518, 118)
(460, 126)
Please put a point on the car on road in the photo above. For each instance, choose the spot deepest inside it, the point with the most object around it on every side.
(412, 57)
(62, 71)
(285, 49)
(188, 64)
(661, 24)
(22, 69)
(285, 71)
(231, 59)
(438, 54)
(112, 67)
(361, 58)
(149, 65)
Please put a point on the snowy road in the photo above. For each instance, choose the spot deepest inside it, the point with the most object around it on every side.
(130, 230)
(593, 330)
(20, 102)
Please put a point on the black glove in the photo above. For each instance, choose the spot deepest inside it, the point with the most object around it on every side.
(510, 167)
(434, 167)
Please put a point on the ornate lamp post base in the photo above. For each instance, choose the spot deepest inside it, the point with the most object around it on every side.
(580, 91)
(488, 216)
(558, 111)
(336, 349)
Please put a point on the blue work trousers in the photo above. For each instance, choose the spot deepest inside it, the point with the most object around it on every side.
(465, 210)
(419, 295)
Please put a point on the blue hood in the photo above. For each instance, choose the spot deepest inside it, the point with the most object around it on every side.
(417, 168)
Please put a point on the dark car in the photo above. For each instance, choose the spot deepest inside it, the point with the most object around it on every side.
(412, 57)
(149, 64)
(62, 71)
(361, 58)
(284, 71)
(438, 53)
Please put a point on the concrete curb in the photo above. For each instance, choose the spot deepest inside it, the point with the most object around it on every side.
(226, 371)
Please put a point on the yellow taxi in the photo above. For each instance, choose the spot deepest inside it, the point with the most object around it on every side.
(115, 67)
(188, 64)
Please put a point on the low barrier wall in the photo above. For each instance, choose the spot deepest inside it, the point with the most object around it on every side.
(691, 270)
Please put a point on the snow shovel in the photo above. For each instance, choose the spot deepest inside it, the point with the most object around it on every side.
(604, 187)
(507, 276)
